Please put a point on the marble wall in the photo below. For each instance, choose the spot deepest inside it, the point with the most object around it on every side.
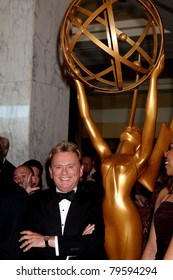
(34, 99)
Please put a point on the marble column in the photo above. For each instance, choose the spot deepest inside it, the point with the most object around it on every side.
(34, 99)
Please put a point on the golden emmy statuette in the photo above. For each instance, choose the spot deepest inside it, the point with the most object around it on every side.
(136, 153)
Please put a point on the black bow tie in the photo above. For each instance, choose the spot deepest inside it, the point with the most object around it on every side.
(68, 195)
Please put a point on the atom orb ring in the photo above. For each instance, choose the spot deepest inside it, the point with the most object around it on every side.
(121, 51)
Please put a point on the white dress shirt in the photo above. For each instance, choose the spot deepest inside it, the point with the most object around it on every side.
(64, 206)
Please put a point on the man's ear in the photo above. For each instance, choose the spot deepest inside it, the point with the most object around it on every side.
(50, 171)
(81, 170)
(5, 152)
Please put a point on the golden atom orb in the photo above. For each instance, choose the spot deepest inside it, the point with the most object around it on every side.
(123, 37)
(105, 39)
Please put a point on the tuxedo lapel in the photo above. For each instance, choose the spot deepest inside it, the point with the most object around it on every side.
(52, 215)
(58, 219)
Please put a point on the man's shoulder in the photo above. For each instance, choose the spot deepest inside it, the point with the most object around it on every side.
(46, 195)
(7, 162)
(11, 188)
(88, 192)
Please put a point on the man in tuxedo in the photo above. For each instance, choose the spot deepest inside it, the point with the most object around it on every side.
(61, 227)
(13, 201)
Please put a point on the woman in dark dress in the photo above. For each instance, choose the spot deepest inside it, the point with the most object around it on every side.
(160, 242)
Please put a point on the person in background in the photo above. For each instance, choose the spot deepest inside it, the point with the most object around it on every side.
(6, 167)
(37, 167)
(24, 177)
(64, 222)
(88, 166)
(2, 177)
(13, 201)
(91, 178)
(160, 243)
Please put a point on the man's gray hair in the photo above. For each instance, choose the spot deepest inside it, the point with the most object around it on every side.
(65, 146)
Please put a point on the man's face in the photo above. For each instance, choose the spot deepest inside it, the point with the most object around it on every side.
(87, 164)
(65, 170)
(22, 175)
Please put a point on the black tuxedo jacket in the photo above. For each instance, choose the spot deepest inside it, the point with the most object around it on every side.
(13, 202)
(43, 216)
(6, 173)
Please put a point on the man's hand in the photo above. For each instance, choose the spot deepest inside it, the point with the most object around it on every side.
(89, 229)
(31, 239)
(28, 185)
